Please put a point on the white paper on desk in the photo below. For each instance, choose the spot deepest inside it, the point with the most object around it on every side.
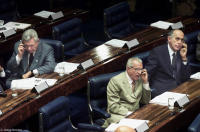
(6, 28)
(195, 76)
(163, 98)
(161, 24)
(17, 25)
(116, 43)
(139, 125)
(29, 83)
(44, 14)
(67, 67)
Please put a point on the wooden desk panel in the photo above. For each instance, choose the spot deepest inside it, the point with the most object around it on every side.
(163, 120)
(106, 59)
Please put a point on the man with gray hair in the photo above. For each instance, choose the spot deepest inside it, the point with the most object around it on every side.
(30, 57)
(127, 90)
(167, 64)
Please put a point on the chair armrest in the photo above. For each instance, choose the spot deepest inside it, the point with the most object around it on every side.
(101, 113)
(89, 127)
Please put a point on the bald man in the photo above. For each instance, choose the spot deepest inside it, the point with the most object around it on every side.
(125, 129)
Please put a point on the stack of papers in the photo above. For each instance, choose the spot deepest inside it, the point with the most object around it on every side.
(195, 76)
(29, 83)
(162, 99)
(66, 67)
(161, 24)
(116, 43)
(44, 14)
(138, 125)
(16, 25)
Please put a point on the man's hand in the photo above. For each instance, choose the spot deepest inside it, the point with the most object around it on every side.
(21, 50)
(144, 76)
(27, 75)
(1, 68)
(183, 52)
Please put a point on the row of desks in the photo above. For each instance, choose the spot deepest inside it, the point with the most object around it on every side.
(106, 58)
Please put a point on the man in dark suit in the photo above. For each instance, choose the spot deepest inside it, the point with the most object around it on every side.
(167, 64)
(30, 57)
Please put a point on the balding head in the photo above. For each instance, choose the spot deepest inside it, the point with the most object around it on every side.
(124, 129)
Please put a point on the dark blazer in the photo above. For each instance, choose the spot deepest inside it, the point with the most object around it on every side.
(43, 61)
(160, 70)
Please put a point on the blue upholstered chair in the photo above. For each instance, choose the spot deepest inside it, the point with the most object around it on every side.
(195, 125)
(191, 40)
(8, 10)
(70, 34)
(117, 22)
(58, 48)
(97, 97)
(143, 56)
(55, 117)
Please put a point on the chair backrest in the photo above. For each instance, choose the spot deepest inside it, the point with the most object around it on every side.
(58, 48)
(8, 10)
(116, 20)
(70, 34)
(143, 56)
(191, 40)
(97, 87)
(55, 116)
(195, 125)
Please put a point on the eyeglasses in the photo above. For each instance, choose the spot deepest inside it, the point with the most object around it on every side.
(179, 39)
(27, 46)
(137, 69)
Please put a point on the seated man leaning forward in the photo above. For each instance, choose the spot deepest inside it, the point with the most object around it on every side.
(126, 90)
(30, 57)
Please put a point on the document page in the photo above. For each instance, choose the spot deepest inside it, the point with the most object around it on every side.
(161, 24)
(195, 76)
(17, 25)
(66, 67)
(44, 14)
(116, 43)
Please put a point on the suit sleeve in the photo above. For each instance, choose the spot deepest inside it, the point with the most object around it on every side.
(151, 64)
(146, 96)
(48, 62)
(12, 63)
(114, 99)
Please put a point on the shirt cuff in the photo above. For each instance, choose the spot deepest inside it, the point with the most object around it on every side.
(128, 113)
(18, 59)
(35, 72)
(146, 86)
(185, 62)
(2, 74)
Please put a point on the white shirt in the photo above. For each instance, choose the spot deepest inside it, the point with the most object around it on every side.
(18, 60)
(171, 52)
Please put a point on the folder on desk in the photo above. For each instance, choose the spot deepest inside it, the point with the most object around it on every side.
(138, 125)
(161, 24)
(17, 25)
(116, 43)
(66, 67)
(162, 99)
(44, 14)
(195, 76)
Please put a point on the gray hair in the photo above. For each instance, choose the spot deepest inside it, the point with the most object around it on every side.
(29, 34)
(129, 63)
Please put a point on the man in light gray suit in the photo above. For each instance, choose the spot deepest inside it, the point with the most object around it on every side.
(127, 90)
(30, 57)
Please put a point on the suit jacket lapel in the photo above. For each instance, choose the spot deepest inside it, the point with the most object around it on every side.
(167, 60)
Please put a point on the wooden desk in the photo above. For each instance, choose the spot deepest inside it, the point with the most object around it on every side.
(106, 59)
(42, 26)
(163, 120)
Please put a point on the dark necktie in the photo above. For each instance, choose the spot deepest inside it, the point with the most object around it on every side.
(174, 66)
(30, 59)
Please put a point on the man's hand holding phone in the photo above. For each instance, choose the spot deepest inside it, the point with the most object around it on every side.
(183, 52)
(144, 76)
(21, 50)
